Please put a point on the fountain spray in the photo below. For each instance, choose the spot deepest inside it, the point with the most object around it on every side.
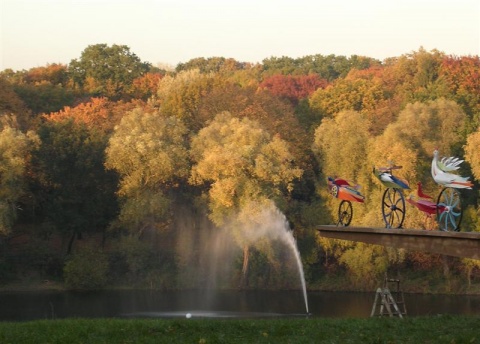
(269, 222)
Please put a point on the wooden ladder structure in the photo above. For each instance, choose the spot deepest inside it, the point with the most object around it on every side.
(388, 302)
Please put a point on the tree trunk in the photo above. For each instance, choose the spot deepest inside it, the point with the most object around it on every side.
(244, 279)
(446, 272)
(469, 276)
(76, 233)
(70, 243)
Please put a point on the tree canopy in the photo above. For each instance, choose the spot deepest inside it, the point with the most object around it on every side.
(148, 151)
(215, 145)
(242, 163)
(15, 149)
(104, 70)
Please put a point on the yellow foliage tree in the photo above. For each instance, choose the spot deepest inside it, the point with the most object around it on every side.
(149, 152)
(471, 152)
(15, 148)
(241, 161)
(245, 168)
(410, 141)
(340, 145)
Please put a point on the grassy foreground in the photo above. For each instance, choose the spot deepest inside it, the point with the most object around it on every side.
(439, 329)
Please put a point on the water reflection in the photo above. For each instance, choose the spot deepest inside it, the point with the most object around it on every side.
(21, 306)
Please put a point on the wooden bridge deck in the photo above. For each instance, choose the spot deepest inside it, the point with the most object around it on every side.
(458, 244)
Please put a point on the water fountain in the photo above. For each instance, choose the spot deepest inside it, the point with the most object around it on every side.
(270, 223)
(290, 240)
(210, 252)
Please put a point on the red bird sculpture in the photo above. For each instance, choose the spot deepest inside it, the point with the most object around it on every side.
(420, 191)
(424, 205)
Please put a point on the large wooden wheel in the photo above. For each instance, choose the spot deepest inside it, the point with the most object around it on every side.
(449, 210)
(345, 213)
(393, 208)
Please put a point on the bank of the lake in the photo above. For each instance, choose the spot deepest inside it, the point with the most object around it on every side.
(436, 329)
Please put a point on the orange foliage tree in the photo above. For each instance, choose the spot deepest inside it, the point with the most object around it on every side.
(98, 112)
(462, 75)
(53, 73)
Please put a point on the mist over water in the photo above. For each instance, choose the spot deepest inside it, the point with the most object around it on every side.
(210, 257)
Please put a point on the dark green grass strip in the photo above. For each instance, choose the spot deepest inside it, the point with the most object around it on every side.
(439, 329)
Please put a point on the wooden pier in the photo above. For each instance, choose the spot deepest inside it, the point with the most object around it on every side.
(458, 244)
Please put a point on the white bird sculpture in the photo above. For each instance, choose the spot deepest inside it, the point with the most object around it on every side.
(441, 172)
(449, 164)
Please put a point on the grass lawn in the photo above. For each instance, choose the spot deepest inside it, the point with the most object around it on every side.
(437, 329)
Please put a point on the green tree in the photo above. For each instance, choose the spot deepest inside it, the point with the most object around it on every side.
(10, 102)
(41, 89)
(15, 148)
(107, 71)
(86, 269)
(44, 97)
(148, 151)
(279, 65)
(77, 193)
(12, 105)
(211, 64)
(328, 67)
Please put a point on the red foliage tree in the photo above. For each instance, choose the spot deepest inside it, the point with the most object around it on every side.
(293, 87)
(146, 85)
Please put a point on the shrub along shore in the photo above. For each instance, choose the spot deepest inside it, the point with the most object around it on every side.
(437, 329)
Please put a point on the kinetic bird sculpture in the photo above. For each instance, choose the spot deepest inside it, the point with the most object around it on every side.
(393, 201)
(347, 192)
(423, 203)
(449, 203)
(384, 174)
(441, 172)
(344, 190)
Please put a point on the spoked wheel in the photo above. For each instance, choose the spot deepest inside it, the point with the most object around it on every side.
(449, 210)
(345, 213)
(393, 208)
(334, 191)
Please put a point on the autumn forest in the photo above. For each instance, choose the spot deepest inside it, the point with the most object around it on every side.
(114, 172)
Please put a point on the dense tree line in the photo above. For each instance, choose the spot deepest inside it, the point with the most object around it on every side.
(114, 171)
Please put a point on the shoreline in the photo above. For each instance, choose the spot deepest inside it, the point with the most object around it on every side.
(48, 285)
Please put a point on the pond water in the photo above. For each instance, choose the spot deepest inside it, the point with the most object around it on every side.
(23, 306)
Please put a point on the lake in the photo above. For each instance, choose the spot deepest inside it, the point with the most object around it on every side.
(24, 306)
